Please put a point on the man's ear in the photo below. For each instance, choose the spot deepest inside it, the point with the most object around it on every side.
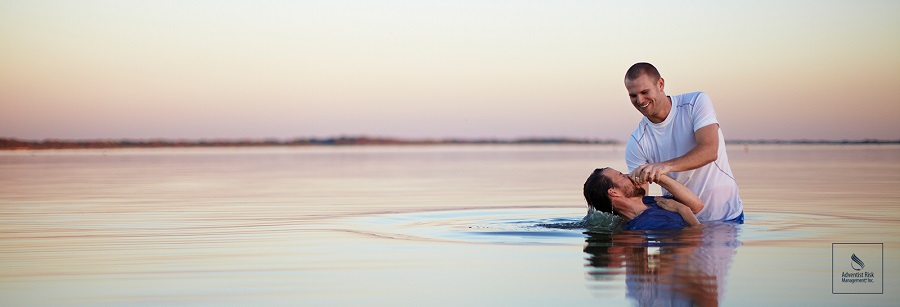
(613, 193)
(662, 84)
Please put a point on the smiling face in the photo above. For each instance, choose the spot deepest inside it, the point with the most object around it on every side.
(648, 97)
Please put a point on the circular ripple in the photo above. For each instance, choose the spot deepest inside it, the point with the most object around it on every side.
(497, 226)
(558, 226)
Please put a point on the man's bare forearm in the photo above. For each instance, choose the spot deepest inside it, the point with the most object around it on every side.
(706, 151)
(678, 207)
(688, 216)
(681, 193)
(695, 158)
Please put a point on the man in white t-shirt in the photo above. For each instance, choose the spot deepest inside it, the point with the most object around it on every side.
(680, 136)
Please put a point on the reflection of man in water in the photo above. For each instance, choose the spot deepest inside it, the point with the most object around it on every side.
(683, 268)
(609, 190)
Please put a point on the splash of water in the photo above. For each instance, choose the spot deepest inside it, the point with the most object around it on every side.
(599, 221)
(593, 221)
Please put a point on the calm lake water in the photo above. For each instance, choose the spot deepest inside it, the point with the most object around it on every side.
(427, 225)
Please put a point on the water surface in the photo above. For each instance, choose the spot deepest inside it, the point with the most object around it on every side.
(416, 225)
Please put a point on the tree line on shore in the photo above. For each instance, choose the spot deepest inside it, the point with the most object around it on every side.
(17, 144)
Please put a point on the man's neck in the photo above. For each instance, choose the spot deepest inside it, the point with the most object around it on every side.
(665, 109)
(630, 208)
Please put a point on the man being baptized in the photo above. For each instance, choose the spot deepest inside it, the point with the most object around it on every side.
(610, 191)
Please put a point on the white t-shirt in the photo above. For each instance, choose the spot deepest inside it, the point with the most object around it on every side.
(674, 137)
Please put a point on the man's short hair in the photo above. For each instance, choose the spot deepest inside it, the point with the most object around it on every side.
(596, 190)
(643, 68)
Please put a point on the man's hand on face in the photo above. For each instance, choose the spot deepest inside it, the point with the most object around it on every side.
(649, 173)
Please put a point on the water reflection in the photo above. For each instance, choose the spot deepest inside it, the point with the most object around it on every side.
(681, 268)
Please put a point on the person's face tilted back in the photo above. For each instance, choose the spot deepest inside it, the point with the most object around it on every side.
(624, 184)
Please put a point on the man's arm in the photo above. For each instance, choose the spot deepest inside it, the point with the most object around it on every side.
(677, 207)
(681, 193)
(706, 151)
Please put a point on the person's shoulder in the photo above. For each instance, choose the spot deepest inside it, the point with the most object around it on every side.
(640, 130)
(691, 98)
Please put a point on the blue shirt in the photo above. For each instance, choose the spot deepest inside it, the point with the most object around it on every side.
(655, 218)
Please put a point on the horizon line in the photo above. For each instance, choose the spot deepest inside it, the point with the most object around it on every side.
(52, 143)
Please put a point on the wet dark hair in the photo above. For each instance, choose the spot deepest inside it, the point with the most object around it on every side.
(595, 191)
(643, 68)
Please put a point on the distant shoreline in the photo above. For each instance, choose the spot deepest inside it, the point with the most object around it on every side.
(17, 144)
(814, 142)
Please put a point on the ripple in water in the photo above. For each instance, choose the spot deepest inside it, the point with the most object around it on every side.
(562, 226)
(494, 226)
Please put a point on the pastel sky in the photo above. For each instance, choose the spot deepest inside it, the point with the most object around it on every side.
(434, 69)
